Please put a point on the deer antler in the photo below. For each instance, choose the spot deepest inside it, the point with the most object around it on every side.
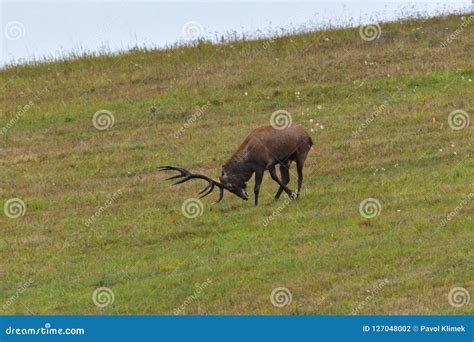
(185, 175)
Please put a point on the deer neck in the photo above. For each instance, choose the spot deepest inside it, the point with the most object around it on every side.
(239, 165)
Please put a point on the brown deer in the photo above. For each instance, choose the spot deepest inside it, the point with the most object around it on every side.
(263, 149)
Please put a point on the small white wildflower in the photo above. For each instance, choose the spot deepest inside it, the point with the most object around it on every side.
(319, 107)
(245, 93)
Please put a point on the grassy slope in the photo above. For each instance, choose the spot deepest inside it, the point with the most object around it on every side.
(320, 247)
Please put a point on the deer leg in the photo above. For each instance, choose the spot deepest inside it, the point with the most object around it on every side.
(285, 176)
(299, 169)
(300, 159)
(258, 181)
(275, 178)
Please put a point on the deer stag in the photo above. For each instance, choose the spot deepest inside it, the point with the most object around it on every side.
(263, 149)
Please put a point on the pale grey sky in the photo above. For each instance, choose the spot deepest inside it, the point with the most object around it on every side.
(55, 28)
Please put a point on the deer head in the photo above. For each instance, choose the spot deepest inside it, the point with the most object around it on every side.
(234, 182)
(230, 182)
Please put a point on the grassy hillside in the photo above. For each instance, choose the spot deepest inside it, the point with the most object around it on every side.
(98, 214)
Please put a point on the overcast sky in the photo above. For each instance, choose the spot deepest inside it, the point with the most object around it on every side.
(46, 28)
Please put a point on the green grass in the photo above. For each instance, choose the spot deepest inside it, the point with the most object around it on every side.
(320, 247)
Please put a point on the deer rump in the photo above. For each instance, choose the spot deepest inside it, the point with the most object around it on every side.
(263, 149)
